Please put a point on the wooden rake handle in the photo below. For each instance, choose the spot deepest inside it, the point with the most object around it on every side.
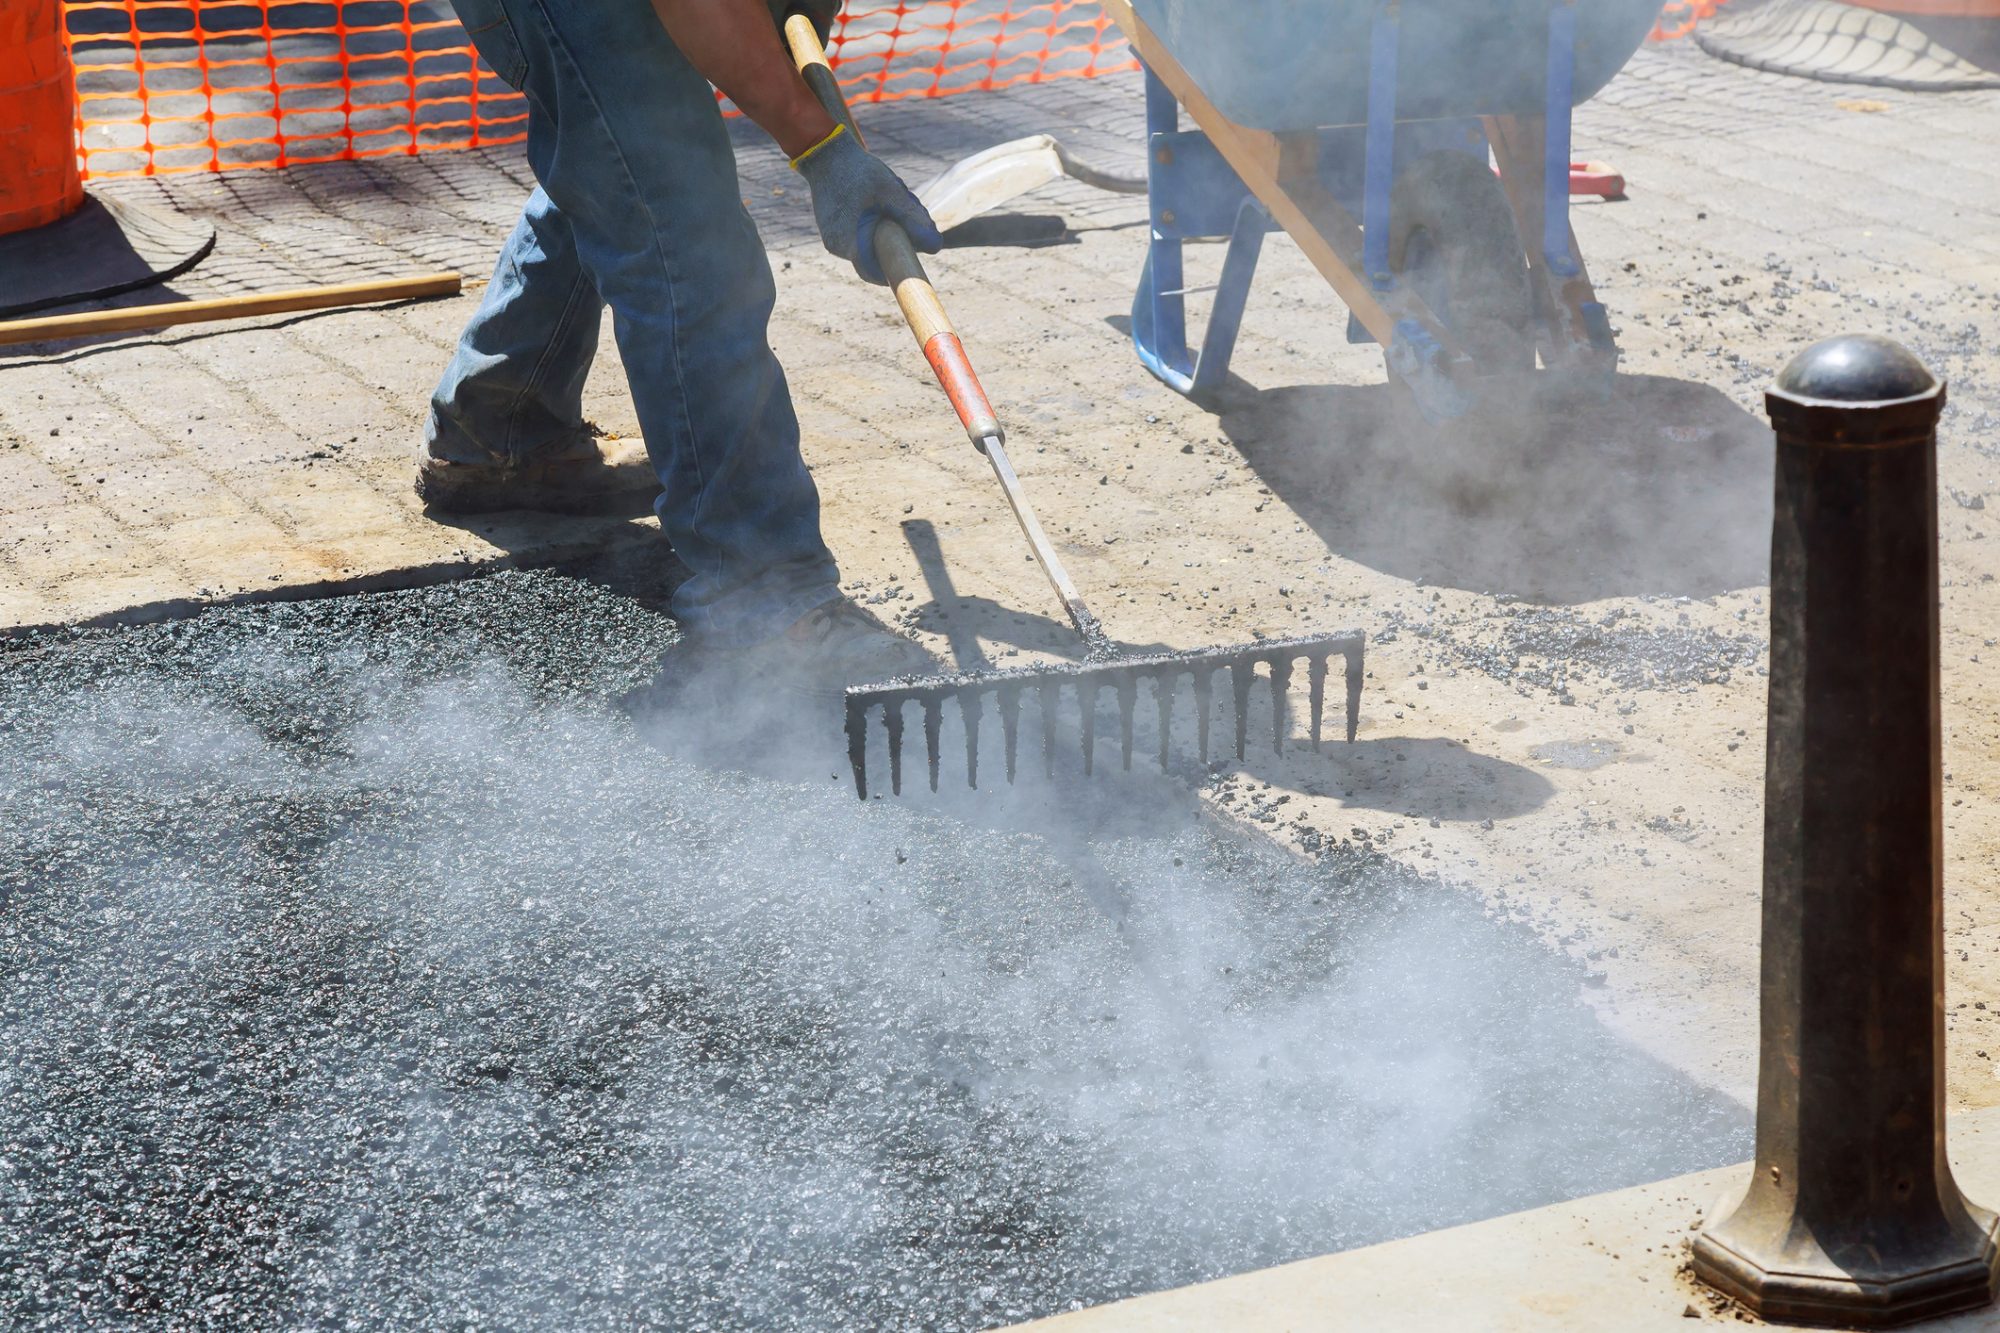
(900, 262)
(932, 326)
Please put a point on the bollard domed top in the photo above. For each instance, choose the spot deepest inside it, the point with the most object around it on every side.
(1856, 368)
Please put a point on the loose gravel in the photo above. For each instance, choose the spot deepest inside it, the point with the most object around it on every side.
(1551, 648)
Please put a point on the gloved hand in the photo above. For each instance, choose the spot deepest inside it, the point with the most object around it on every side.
(852, 190)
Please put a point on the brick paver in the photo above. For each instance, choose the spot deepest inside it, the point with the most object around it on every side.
(271, 457)
(1738, 165)
(290, 436)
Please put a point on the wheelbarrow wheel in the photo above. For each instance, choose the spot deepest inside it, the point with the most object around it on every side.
(1452, 239)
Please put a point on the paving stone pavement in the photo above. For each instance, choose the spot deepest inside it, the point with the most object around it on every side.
(150, 475)
(147, 475)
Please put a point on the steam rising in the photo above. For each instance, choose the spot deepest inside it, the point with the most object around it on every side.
(364, 969)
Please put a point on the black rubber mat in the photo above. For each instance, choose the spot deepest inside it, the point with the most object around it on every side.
(107, 247)
(1841, 43)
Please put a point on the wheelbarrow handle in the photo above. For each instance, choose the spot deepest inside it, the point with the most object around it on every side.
(899, 260)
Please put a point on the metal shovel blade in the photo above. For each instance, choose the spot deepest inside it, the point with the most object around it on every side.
(976, 694)
(987, 180)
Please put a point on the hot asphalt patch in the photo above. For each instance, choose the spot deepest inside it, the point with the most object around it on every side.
(361, 968)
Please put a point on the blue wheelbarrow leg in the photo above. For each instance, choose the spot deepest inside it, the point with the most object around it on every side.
(1384, 42)
(1232, 293)
(1413, 356)
(1558, 108)
(1159, 327)
(1557, 248)
(1159, 308)
(1191, 192)
(1582, 345)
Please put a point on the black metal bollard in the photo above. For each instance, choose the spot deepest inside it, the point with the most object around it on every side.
(1852, 1217)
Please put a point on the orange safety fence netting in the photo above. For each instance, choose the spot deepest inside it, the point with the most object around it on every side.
(208, 85)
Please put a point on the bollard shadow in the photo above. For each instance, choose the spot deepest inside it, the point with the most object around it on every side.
(1655, 486)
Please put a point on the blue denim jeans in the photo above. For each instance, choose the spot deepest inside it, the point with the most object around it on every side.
(639, 209)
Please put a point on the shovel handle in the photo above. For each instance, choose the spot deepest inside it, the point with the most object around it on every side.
(899, 260)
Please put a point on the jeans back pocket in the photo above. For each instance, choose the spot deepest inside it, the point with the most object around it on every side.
(492, 34)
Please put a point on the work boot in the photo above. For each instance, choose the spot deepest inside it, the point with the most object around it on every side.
(837, 644)
(796, 677)
(601, 477)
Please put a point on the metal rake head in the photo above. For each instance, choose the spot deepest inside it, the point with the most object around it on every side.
(1087, 680)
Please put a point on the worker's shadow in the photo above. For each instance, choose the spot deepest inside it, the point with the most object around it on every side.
(965, 621)
(1653, 486)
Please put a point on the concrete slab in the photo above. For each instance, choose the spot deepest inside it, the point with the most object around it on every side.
(1613, 1261)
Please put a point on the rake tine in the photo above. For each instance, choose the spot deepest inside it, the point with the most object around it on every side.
(857, 745)
(1010, 723)
(1047, 695)
(1281, 681)
(892, 722)
(1272, 661)
(1240, 676)
(1353, 691)
(1316, 673)
(969, 709)
(1086, 695)
(1204, 705)
(933, 721)
(1128, 695)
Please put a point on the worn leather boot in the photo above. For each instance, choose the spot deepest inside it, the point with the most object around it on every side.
(602, 477)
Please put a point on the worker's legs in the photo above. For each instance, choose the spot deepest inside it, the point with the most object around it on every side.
(514, 388)
(627, 142)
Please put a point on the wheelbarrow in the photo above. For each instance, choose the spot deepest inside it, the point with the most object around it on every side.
(1371, 130)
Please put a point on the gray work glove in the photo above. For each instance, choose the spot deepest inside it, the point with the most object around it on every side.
(852, 190)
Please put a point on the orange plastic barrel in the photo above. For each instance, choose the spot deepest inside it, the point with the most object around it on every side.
(38, 176)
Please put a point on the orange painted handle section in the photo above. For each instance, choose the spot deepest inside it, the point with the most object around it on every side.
(38, 175)
(953, 369)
